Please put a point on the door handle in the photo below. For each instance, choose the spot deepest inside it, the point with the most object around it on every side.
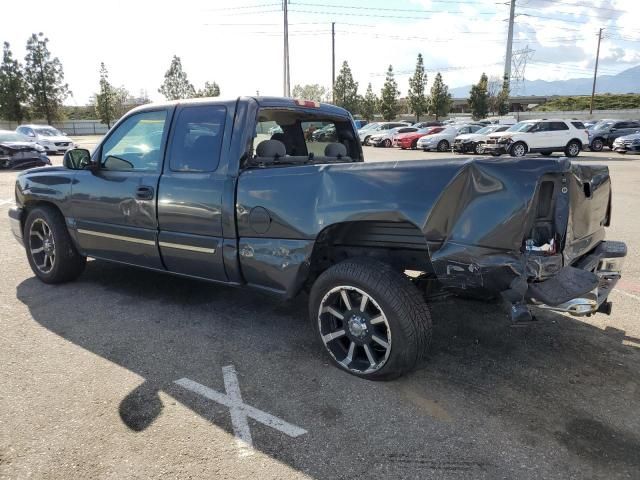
(144, 193)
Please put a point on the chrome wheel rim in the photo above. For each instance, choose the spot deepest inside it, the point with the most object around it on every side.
(42, 246)
(354, 329)
(573, 149)
(479, 148)
(518, 150)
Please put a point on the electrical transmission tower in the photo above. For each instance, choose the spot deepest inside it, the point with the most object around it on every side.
(519, 61)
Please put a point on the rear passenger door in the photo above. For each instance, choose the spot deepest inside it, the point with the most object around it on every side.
(190, 192)
(560, 133)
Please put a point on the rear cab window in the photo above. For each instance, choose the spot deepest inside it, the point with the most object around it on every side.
(578, 125)
(197, 138)
(297, 137)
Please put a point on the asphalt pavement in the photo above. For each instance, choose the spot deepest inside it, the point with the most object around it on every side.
(131, 374)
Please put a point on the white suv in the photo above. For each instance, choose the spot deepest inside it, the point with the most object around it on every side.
(51, 139)
(539, 136)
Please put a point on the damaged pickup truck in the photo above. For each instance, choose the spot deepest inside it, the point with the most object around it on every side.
(201, 189)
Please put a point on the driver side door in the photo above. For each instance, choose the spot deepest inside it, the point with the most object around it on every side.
(115, 206)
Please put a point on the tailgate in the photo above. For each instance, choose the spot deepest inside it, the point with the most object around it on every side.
(589, 203)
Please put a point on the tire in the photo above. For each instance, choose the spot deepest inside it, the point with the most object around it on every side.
(386, 143)
(403, 148)
(518, 149)
(414, 145)
(572, 149)
(546, 154)
(50, 250)
(402, 319)
(495, 154)
(478, 148)
(596, 145)
(366, 140)
(443, 146)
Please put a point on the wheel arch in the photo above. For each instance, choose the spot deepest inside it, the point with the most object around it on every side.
(31, 204)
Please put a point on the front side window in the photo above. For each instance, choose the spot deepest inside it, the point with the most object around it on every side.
(136, 144)
(197, 139)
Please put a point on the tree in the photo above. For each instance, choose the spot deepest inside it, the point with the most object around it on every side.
(478, 98)
(369, 104)
(106, 100)
(313, 92)
(498, 95)
(440, 100)
(389, 106)
(13, 92)
(44, 78)
(211, 89)
(417, 86)
(176, 86)
(345, 90)
(502, 102)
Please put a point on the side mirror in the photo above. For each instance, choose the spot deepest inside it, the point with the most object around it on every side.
(78, 159)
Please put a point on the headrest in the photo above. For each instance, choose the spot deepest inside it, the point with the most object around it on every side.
(335, 150)
(271, 148)
(278, 136)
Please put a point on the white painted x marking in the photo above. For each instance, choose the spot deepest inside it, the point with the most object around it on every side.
(240, 411)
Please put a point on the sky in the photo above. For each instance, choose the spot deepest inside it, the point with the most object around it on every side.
(239, 44)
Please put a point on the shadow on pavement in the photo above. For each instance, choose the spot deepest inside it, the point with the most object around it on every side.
(555, 400)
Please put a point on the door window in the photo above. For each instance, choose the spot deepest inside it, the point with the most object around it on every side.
(136, 144)
(556, 126)
(197, 139)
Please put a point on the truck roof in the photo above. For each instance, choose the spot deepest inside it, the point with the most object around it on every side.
(263, 102)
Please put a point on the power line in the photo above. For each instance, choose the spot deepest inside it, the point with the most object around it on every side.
(261, 5)
(581, 5)
(412, 17)
(385, 9)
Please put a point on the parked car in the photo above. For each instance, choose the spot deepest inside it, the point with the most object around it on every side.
(360, 123)
(20, 151)
(627, 144)
(366, 133)
(385, 138)
(324, 134)
(410, 140)
(51, 139)
(170, 189)
(605, 132)
(474, 142)
(543, 136)
(275, 129)
(442, 140)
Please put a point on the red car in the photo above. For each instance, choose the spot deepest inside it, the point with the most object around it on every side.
(410, 140)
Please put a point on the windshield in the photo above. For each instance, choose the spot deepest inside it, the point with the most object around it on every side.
(369, 126)
(602, 125)
(521, 127)
(13, 137)
(48, 132)
(486, 130)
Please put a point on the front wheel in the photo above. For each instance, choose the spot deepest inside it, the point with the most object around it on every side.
(366, 140)
(387, 143)
(50, 250)
(572, 149)
(597, 145)
(371, 320)
(478, 148)
(443, 146)
(414, 145)
(518, 149)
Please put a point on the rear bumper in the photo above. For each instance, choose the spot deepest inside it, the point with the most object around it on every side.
(605, 262)
(15, 220)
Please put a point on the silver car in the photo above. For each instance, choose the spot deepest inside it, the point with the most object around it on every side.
(379, 127)
(51, 139)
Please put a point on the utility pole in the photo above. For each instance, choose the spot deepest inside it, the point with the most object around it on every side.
(507, 58)
(287, 86)
(595, 72)
(333, 60)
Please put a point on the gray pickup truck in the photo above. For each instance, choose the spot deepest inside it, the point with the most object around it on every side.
(201, 189)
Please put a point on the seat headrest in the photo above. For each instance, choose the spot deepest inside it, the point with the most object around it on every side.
(271, 148)
(335, 150)
(278, 136)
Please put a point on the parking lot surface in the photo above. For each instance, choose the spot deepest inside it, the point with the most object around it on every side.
(131, 374)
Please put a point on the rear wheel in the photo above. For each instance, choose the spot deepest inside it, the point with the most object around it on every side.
(386, 143)
(50, 250)
(478, 148)
(597, 145)
(366, 140)
(572, 149)
(518, 149)
(371, 320)
(443, 146)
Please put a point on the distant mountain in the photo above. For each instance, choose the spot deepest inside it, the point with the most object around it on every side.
(627, 81)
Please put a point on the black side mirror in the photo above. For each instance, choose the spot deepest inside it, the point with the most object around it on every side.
(78, 159)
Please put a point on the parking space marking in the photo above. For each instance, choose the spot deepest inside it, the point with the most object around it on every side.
(6, 201)
(240, 411)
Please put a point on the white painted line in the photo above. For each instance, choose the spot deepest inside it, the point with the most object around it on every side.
(636, 297)
(8, 201)
(239, 419)
(240, 411)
